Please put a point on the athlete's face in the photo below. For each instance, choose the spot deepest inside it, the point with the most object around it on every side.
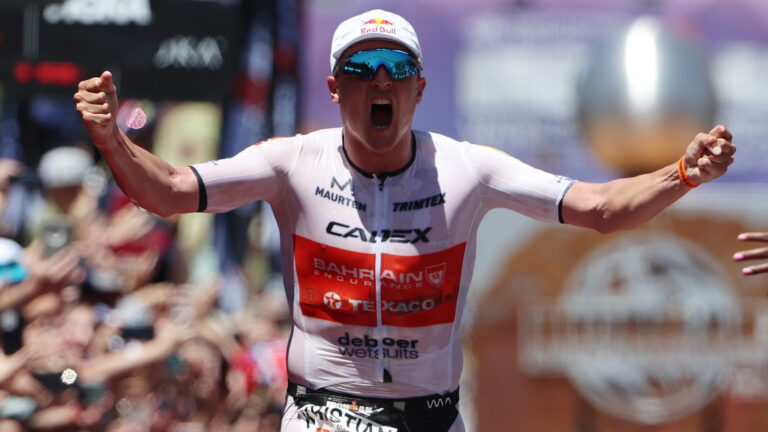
(377, 113)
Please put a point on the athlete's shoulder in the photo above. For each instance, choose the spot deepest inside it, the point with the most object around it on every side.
(293, 146)
(438, 139)
(446, 145)
(320, 141)
(433, 142)
(318, 136)
(331, 136)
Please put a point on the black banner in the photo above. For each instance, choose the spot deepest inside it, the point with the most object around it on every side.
(158, 49)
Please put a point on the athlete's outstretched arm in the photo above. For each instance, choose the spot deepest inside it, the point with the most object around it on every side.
(149, 181)
(628, 202)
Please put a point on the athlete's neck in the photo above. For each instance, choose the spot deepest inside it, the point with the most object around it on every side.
(379, 160)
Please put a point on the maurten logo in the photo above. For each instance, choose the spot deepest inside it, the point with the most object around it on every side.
(332, 300)
(337, 197)
(337, 184)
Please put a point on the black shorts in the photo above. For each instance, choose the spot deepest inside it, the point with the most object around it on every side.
(333, 411)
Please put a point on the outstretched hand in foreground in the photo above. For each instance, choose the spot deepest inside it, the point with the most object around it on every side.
(753, 254)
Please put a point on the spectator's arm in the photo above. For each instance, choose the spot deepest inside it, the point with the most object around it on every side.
(47, 275)
(169, 337)
(54, 417)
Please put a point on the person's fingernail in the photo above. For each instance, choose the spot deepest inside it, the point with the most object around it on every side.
(742, 237)
(747, 271)
(717, 150)
(738, 257)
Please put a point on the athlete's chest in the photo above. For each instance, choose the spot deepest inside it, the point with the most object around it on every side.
(391, 251)
(420, 210)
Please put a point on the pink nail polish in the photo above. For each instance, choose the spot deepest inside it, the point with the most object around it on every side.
(742, 237)
(738, 257)
(747, 271)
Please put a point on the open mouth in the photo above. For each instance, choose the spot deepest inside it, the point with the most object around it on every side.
(381, 113)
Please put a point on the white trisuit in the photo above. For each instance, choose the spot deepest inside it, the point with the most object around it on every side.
(376, 269)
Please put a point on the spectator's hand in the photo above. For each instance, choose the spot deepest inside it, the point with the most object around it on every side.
(237, 389)
(156, 295)
(96, 101)
(59, 270)
(172, 334)
(11, 364)
(753, 254)
(90, 417)
(55, 417)
(212, 330)
(24, 384)
(708, 155)
(127, 225)
(204, 299)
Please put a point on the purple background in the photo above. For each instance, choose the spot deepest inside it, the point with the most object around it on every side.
(548, 42)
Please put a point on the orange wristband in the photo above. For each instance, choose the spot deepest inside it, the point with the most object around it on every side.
(683, 175)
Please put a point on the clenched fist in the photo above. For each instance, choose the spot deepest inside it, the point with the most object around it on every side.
(709, 155)
(96, 100)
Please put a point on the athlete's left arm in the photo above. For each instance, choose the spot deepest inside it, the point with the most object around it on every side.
(628, 202)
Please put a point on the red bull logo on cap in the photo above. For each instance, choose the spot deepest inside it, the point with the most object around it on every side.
(378, 21)
(378, 25)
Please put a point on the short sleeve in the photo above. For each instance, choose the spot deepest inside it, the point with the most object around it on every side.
(507, 182)
(256, 173)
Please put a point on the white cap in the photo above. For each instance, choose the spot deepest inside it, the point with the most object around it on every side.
(374, 24)
(64, 166)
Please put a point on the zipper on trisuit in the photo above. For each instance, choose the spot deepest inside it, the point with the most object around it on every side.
(381, 219)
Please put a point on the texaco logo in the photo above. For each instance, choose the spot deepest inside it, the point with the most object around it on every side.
(332, 300)
(639, 329)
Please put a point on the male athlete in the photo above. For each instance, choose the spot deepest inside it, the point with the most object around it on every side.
(378, 224)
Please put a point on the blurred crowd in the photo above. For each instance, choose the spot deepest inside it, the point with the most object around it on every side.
(102, 329)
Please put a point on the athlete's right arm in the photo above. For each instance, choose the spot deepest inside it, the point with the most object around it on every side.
(149, 181)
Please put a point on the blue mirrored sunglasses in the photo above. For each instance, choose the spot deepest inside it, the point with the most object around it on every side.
(364, 64)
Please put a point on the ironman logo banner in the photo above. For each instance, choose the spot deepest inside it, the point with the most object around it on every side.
(340, 285)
